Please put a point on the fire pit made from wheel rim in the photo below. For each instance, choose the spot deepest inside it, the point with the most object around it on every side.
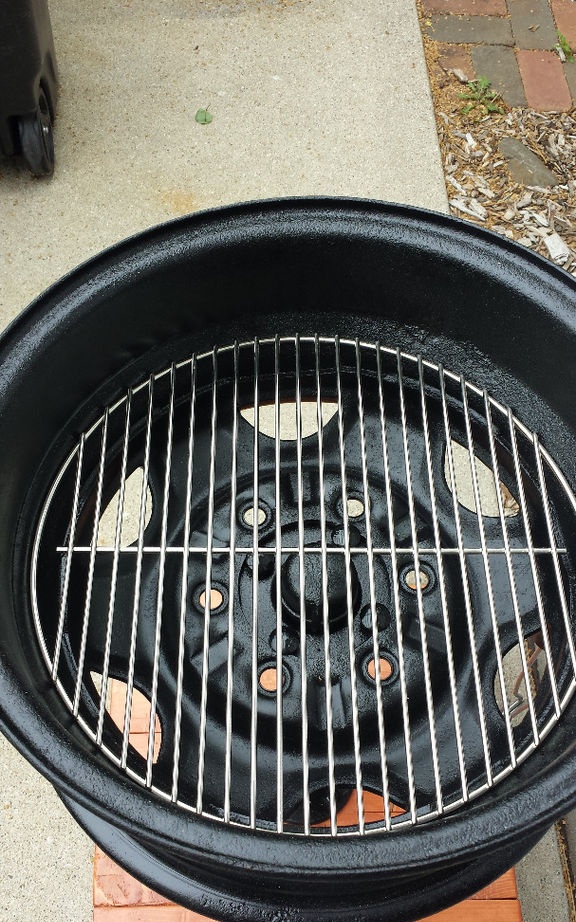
(299, 473)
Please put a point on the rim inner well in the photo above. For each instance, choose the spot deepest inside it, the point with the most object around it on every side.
(340, 517)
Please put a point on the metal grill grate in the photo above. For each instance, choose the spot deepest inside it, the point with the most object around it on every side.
(345, 582)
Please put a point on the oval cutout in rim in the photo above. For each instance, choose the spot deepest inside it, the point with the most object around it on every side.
(288, 425)
(130, 513)
(486, 484)
(515, 679)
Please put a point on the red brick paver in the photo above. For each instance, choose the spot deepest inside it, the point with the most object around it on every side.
(455, 57)
(470, 911)
(114, 887)
(544, 81)
(146, 914)
(514, 44)
(565, 16)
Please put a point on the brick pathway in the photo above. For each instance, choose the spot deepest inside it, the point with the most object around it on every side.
(511, 42)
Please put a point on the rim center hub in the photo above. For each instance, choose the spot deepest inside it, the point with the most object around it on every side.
(325, 584)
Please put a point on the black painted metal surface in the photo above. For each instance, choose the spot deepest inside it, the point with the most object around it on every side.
(499, 315)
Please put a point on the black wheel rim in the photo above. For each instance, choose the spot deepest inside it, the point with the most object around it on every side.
(217, 257)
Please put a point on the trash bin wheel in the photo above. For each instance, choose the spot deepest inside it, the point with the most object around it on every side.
(36, 138)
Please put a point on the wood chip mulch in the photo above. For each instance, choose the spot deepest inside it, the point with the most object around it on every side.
(480, 187)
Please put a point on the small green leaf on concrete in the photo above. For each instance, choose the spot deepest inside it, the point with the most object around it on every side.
(203, 117)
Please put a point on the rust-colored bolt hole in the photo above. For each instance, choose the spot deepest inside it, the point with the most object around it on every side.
(269, 679)
(216, 599)
(410, 579)
(385, 669)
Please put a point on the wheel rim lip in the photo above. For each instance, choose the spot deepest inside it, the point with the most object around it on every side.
(126, 804)
(187, 835)
(132, 248)
(123, 259)
(228, 905)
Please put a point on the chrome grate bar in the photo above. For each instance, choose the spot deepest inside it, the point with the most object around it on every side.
(184, 583)
(370, 558)
(255, 570)
(302, 598)
(396, 590)
(421, 616)
(138, 578)
(207, 587)
(349, 601)
(465, 581)
(487, 572)
(535, 576)
(288, 549)
(69, 555)
(555, 552)
(231, 570)
(511, 574)
(278, 570)
(114, 581)
(443, 590)
(94, 543)
(160, 594)
(325, 602)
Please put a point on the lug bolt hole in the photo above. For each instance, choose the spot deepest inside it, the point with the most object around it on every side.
(268, 680)
(386, 668)
(215, 602)
(411, 576)
(354, 507)
(247, 516)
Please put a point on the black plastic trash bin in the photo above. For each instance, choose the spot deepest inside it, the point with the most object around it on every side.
(28, 83)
